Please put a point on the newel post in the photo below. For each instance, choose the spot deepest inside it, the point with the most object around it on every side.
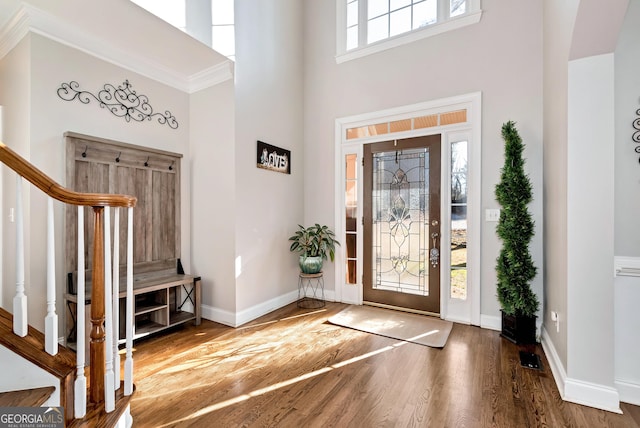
(96, 346)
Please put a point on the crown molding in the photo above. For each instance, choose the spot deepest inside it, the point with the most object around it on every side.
(13, 31)
(211, 76)
(31, 19)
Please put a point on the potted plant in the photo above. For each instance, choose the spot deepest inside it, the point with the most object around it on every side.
(515, 268)
(313, 243)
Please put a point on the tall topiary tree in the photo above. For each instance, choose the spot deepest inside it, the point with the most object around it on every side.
(515, 268)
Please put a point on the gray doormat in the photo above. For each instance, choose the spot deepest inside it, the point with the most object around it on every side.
(414, 328)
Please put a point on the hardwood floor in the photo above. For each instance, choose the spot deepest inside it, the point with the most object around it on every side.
(291, 368)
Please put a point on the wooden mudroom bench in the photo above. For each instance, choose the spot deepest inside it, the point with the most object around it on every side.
(162, 300)
(165, 296)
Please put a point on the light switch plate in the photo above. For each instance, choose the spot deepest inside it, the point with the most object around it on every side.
(492, 215)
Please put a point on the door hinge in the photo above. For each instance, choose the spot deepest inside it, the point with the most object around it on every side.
(363, 220)
(363, 161)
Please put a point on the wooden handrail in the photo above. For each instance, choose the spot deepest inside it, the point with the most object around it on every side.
(56, 191)
(98, 201)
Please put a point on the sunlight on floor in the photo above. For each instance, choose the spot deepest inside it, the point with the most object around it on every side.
(217, 357)
(246, 327)
(279, 385)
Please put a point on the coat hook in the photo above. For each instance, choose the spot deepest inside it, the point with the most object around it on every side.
(118, 158)
(146, 163)
(171, 166)
(84, 154)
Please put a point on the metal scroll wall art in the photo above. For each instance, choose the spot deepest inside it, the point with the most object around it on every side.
(122, 101)
(636, 135)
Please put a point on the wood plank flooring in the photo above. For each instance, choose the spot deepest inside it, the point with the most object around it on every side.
(291, 368)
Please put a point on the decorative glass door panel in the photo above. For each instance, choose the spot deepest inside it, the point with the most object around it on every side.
(402, 223)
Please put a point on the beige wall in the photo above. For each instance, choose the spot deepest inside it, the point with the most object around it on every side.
(268, 107)
(14, 97)
(43, 120)
(580, 171)
(213, 214)
(501, 56)
(558, 28)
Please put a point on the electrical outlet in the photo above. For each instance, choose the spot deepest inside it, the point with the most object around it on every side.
(492, 215)
(556, 319)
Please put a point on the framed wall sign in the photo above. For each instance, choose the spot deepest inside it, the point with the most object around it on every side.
(273, 158)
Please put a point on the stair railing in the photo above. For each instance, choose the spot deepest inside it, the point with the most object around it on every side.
(104, 363)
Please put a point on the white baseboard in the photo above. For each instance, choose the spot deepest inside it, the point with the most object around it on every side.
(557, 368)
(577, 391)
(491, 322)
(237, 319)
(221, 316)
(629, 391)
(264, 308)
(330, 295)
(592, 395)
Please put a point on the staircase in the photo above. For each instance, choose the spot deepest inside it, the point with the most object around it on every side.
(33, 397)
(105, 403)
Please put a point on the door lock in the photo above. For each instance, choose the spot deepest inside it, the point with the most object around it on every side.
(434, 253)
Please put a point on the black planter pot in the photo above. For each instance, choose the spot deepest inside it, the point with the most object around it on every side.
(520, 330)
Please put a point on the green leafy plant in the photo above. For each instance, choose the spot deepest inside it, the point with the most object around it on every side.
(515, 268)
(314, 241)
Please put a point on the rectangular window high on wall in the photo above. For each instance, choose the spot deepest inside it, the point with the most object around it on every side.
(191, 18)
(375, 23)
(223, 37)
(352, 24)
(351, 206)
(459, 176)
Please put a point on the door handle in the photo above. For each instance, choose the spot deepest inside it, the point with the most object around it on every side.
(434, 253)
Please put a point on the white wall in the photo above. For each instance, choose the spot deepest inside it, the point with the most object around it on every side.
(268, 107)
(26, 375)
(213, 215)
(501, 56)
(14, 96)
(48, 117)
(590, 148)
(627, 171)
(627, 345)
(627, 206)
(579, 193)
(2, 213)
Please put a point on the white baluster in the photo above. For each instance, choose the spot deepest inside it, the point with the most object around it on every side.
(109, 395)
(51, 320)
(116, 299)
(20, 326)
(128, 362)
(80, 392)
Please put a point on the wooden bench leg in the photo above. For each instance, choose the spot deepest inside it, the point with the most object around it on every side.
(197, 282)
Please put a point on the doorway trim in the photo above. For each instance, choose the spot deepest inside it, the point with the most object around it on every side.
(464, 311)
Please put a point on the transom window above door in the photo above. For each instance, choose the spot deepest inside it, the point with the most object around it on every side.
(368, 26)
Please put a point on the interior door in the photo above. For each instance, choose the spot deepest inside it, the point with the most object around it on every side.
(402, 224)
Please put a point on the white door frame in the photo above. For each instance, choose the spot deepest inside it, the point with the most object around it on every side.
(464, 311)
